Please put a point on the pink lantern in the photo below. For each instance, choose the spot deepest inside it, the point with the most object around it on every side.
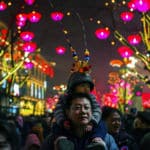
(60, 50)
(20, 23)
(28, 65)
(34, 17)
(3, 5)
(126, 16)
(131, 5)
(57, 16)
(102, 33)
(125, 51)
(29, 47)
(134, 39)
(142, 5)
(29, 2)
(27, 36)
(21, 17)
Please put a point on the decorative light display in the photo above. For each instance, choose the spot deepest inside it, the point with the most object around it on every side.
(134, 39)
(126, 16)
(60, 50)
(102, 33)
(3, 6)
(146, 100)
(57, 16)
(29, 2)
(125, 51)
(29, 47)
(26, 36)
(28, 65)
(34, 17)
(21, 17)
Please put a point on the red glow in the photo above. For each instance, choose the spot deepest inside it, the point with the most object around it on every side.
(125, 51)
(27, 36)
(142, 5)
(134, 39)
(126, 16)
(29, 2)
(146, 100)
(60, 50)
(57, 16)
(3, 5)
(29, 47)
(28, 65)
(34, 17)
(21, 17)
(102, 33)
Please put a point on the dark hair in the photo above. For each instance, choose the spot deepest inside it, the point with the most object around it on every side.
(71, 97)
(107, 111)
(9, 130)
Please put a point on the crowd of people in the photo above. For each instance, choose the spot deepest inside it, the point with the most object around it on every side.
(77, 123)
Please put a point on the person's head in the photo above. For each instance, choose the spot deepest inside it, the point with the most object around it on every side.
(80, 82)
(8, 136)
(79, 109)
(112, 117)
(142, 120)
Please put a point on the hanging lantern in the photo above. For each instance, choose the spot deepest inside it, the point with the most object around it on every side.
(27, 36)
(20, 23)
(102, 33)
(142, 5)
(22, 17)
(29, 47)
(126, 16)
(131, 5)
(60, 50)
(28, 65)
(57, 16)
(3, 6)
(29, 2)
(34, 17)
(134, 39)
(125, 51)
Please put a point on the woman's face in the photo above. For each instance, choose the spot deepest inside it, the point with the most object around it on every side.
(114, 122)
(4, 144)
(80, 111)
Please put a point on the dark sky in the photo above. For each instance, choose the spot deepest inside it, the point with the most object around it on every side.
(49, 35)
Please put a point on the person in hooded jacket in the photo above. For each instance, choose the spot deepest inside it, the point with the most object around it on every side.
(80, 82)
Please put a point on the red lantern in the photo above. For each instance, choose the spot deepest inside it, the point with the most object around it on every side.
(21, 17)
(34, 17)
(27, 36)
(125, 51)
(102, 33)
(134, 39)
(29, 2)
(126, 16)
(3, 6)
(60, 50)
(29, 47)
(57, 16)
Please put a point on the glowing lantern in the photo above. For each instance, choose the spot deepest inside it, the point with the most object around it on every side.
(60, 50)
(116, 63)
(29, 47)
(34, 17)
(3, 6)
(134, 39)
(57, 16)
(28, 65)
(146, 100)
(131, 5)
(21, 17)
(126, 16)
(29, 2)
(27, 36)
(21, 23)
(125, 51)
(102, 33)
(142, 5)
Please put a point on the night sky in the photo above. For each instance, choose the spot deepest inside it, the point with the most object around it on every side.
(49, 35)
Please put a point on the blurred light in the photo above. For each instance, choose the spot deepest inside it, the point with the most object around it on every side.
(60, 50)
(126, 16)
(29, 2)
(27, 36)
(102, 33)
(125, 51)
(34, 17)
(3, 6)
(134, 39)
(29, 47)
(57, 16)
(28, 65)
